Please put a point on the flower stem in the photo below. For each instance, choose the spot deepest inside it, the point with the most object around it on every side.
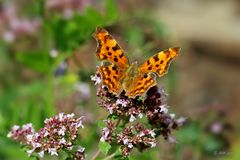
(96, 155)
(110, 156)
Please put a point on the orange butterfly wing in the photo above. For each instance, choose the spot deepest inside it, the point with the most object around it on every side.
(111, 77)
(141, 84)
(114, 74)
(108, 49)
(159, 63)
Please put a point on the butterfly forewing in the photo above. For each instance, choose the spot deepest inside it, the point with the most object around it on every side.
(159, 63)
(109, 49)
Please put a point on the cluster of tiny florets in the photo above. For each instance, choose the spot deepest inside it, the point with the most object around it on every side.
(59, 132)
(133, 111)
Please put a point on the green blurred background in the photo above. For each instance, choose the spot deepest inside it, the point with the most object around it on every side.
(47, 54)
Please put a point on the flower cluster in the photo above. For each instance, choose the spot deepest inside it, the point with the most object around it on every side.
(58, 133)
(143, 118)
(131, 136)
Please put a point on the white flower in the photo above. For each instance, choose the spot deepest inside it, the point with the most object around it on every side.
(132, 118)
(46, 133)
(125, 141)
(79, 124)
(81, 149)
(122, 102)
(36, 145)
(102, 139)
(29, 152)
(130, 145)
(153, 144)
(47, 120)
(141, 134)
(62, 141)
(53, 53)
(152, 133)
(106, 132)
(181, 120)
(9, 135)
(36, 135)
(172, 115)
(41, 154)
(140, 115)
(52, 151)
(60, 116)
(70, 147)
(27, 126)
(61, 132)
(96, 79)
(110, 110)
(15, 127)
(70, 115)
(29, 137)
(156, 111)
(164, 109)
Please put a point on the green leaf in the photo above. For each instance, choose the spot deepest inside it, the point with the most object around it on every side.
(101, 124)
(104, 147)
(35, 60)
(112, 116)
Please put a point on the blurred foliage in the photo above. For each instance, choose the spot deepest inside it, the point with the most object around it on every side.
(33, 101)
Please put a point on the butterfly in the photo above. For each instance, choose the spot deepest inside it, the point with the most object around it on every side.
(117, 74)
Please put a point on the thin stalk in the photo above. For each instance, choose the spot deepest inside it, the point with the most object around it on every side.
(98, 151)
(96, 155)
(110, 156)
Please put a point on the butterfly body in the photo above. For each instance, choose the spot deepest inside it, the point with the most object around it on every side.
(130, 76)
(119, 75)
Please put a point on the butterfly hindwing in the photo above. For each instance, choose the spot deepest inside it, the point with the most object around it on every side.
(141, 85)
(159, 63)
(111, 77)
(109, 49)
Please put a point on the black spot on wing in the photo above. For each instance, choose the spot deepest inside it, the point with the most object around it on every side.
(121, 55)
(148, 62)
(150, 68)
(116, 47)
(145, 75)
(114, 68)
(107, 37)
(104, 57)
(115, 59)
(156, 58)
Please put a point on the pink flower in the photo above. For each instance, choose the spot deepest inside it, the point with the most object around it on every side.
(59, 132)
